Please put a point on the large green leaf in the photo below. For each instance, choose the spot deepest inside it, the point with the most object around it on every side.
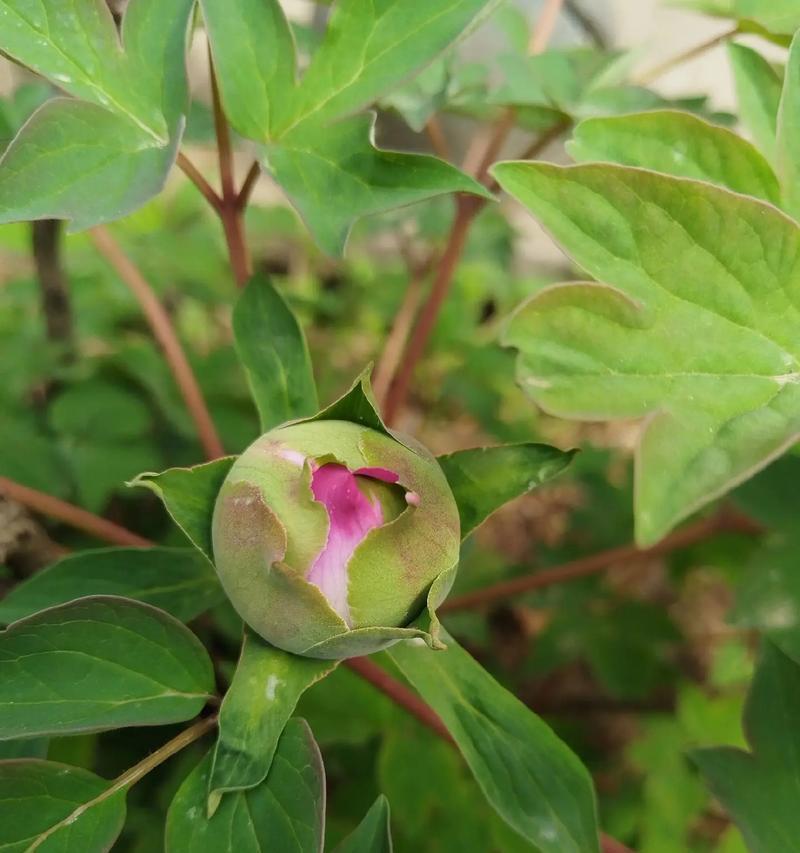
(274, 352)
(99, 663)
(266, 686)
(284, 813)
(761, 788)
(484, 478)
(694, 326)
(788, 132)
(533, 780)
(177, 580)
(99, 157)
(758, 89)
(315, 166)
(679, 144)
(189, 495)
(373, 834)
(58, 809)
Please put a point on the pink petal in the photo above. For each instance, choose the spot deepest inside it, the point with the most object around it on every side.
(352, 515)
(378, 474)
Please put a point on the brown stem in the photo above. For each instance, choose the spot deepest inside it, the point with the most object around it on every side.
(76, 517)
(132, 776)
(195, 176)
(161, 325)
(611, 845)
(250, 181)
(466, 209)
(400, 694)
(662, 68)
(438, 140)
(230, 211)
(584, 566)
(46, 237)
(395, 343)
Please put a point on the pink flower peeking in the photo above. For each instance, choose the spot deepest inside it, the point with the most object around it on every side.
(352, 514)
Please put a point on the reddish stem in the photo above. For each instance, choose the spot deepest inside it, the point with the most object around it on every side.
(164, 332)
(584, 566)
(76, 517)
(400, 694)
(230, 210)
(195, 176)
(438, 140)
(250, 181)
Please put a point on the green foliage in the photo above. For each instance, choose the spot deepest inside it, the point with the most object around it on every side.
(531, 778)
(719, 406)
(99, 663)
(373, 834)
(758, 89)
(760, 787)
(53, 807)
(285, 812)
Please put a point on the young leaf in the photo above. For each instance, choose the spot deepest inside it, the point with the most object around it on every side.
(777, 16)
(369, 48)
(695, 327)
(761, 788)
(98, 158)
(263, 695)
(285, 812)
(99, 663)
(788, 132)
(254, 59)
(177, 580)
(484, 478)
(54, 807)
(679, 144)
(533, 780)
(189, 495)
(273, 349)
(341, 162)
(373, 834)
(758, 89)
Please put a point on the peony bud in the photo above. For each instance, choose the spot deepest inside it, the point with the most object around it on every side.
(328, 537)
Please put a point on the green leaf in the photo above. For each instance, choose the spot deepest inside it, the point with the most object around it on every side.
(484, 478)
(254, 59)
(533, 780)
(369, 48)
(99, 663)
(56, 808)
(761, 788)
(266, 686)
(97, 158)
(284, 813)
(777, 16)
(189, 495)
(274, 352)
(679, 144)
(373, 834)
(177, 580)
(342, 163)
(788, 132)
(357, 404)
(693, 328)
(35, 747)
(758, 89)
(768, 597)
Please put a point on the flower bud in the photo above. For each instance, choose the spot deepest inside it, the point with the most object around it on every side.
(328, 536)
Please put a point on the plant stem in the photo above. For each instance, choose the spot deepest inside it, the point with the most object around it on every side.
(164, 332)
(433, 127)
(611, 845)
(250, 181)
(594, 563)
(662, 68)
(132, 776)
(230, 210)
(46, 236)
(193, 173)
(479, 159)
(400, 695)
(76, 517)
